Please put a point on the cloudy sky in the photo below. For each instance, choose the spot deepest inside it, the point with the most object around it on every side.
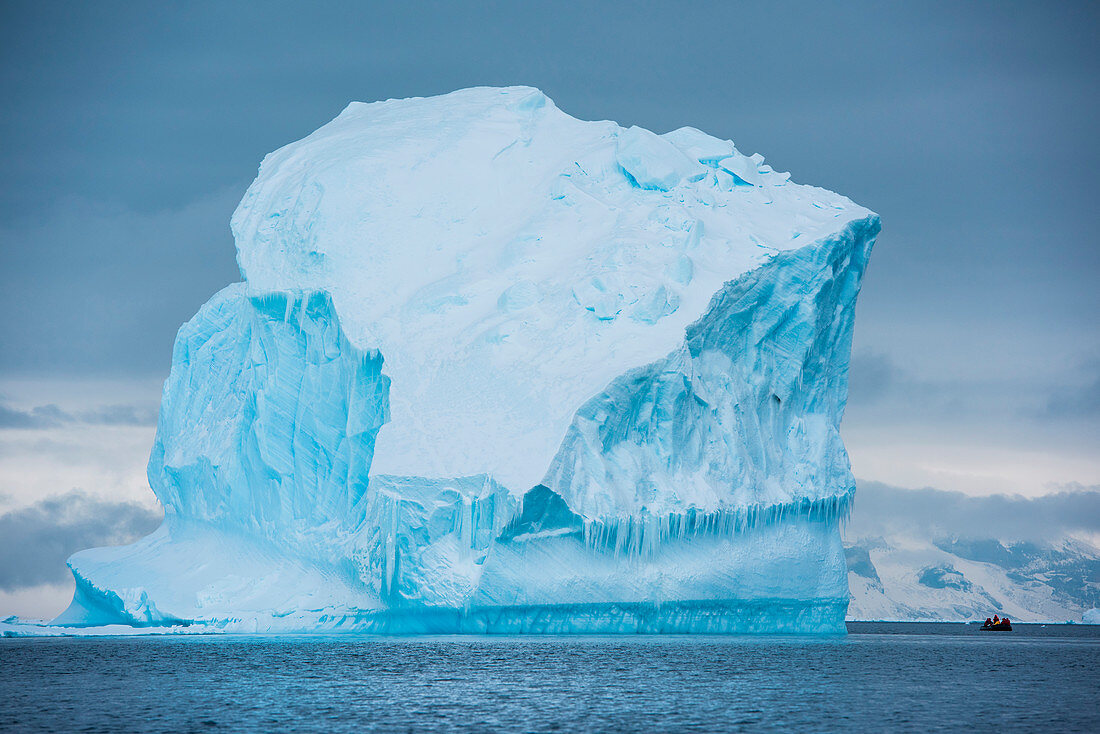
(128, 132)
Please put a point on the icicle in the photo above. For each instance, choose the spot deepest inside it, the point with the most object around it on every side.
(289, 307)
(642, 536)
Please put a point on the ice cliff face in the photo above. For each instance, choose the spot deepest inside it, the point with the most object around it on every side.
(493, 368)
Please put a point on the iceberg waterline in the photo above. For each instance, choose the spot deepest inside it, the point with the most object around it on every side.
(494, 369)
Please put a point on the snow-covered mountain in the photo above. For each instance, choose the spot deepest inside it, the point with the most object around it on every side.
(495, 368)
(928, 555)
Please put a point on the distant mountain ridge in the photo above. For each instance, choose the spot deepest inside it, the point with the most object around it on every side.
(921, 565)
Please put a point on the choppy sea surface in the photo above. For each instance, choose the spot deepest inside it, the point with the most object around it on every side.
(882, 676)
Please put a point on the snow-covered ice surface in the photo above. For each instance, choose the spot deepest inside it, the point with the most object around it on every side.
(496, 369)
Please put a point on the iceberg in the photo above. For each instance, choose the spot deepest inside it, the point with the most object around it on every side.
(494, 369)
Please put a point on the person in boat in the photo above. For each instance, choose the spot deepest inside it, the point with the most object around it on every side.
(996, 620)
(1005, 622)
(988, 622)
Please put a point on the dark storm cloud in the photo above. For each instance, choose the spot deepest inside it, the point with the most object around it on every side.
(130, 130)
(879, 386)
(870, 377)
(42, 416)
(119, 415)
(1081, 401)
(96, 289)
(51, 416)
(888, 511)
(36, 541)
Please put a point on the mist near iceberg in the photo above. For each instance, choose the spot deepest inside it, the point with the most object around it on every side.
(494, 369)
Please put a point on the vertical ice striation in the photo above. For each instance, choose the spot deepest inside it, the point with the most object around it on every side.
(495, 369)
(742, 419)
(268, 419)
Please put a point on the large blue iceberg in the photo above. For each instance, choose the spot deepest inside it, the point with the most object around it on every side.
(495, 369)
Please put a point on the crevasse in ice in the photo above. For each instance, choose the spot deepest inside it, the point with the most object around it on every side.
(495, 369)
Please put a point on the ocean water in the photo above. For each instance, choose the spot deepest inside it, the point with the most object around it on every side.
(897, 677)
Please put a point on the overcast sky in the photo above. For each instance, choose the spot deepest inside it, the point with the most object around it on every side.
(128, 132)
